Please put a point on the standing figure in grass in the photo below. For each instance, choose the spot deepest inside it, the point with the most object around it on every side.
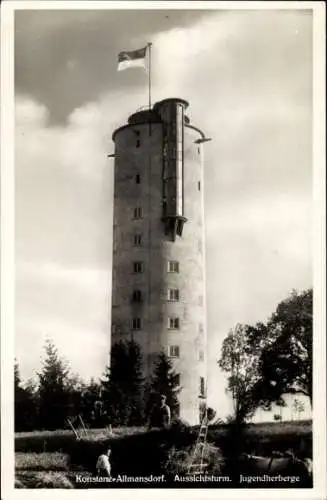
(164, 413)
(103, 467)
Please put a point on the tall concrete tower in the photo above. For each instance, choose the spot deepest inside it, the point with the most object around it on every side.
(158, 284)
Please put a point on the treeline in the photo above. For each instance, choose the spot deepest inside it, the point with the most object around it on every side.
(121, 397)
(265, 362)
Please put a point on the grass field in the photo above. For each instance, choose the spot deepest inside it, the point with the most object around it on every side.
(266, 429)
(42, 461)
(46, 459)
(93, 433)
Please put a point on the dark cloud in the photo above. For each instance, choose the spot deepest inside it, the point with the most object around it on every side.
(66, 58)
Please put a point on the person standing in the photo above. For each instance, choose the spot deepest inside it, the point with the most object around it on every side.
(103, 466)
(164, 413)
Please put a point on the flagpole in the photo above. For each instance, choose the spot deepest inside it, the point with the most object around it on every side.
(149, 47)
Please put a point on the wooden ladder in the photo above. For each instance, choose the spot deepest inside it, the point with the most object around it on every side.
(197, 465)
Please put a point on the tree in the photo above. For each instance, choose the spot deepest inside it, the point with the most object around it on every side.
(123, 385)
(165, 381)
(54, 390)
(92, 404)
(17, 379)
(240, 361)
(286, 358)
(25, 404)
(114, 385)
(75, 388)
(136, 386)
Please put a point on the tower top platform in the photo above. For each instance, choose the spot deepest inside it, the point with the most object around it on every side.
(145, 116)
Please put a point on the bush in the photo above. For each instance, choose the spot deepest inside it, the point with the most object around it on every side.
(263, 439)
(180, 425)
(179, 460)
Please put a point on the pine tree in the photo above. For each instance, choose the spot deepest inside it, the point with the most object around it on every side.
(75, 388)
(136, 386)
(123, 385)
(54, 392)
(17, 379)
(92, 405)
(19, 400)
(163, 381)
(25, 404)
(115, 385)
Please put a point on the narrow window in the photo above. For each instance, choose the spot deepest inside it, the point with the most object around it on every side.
(138, 267)
(137, 296)
(177, 379)
(173, 266)
(136, 323)
(173, 294)
(165, 188)
(200, 355)
(202, 387)
(200, 328)
(174, 351)
(138, 143)
(199, 186)
(173, 323)
(137, 239)
(137, 178)
(138, 213)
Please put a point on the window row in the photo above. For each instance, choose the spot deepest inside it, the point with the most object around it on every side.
(138, 181)
(172, 266)
(172, 295)
(138, 241)
(173, 322)
(174, 352)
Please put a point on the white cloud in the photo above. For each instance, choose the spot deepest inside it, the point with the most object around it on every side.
(81, 278)
(30, 115)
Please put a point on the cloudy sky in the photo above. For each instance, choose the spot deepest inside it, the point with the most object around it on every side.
(248, 78)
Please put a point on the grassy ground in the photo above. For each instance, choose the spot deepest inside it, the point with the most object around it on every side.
(265, 428)
(42, 461)
(93, 433)
(43, 479)
(140, 452)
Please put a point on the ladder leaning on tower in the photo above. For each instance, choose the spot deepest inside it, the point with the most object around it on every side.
(197, 464)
